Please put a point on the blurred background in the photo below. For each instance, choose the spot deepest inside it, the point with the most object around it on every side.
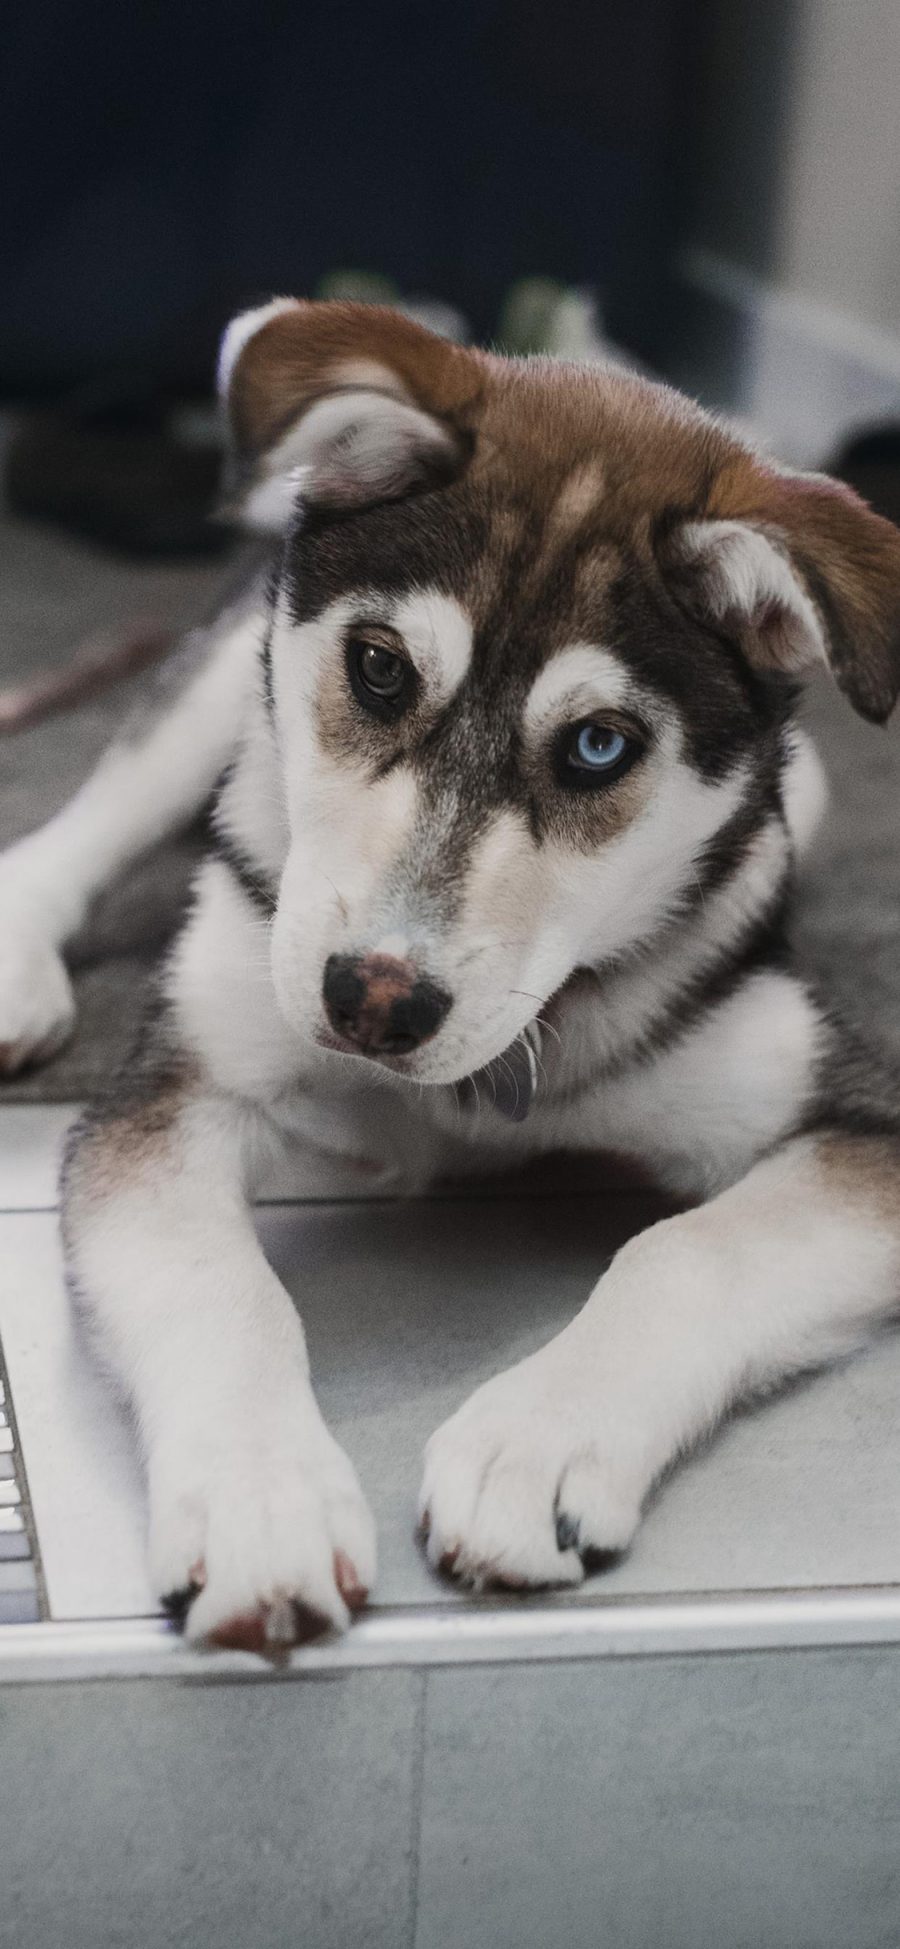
(724, 176)
(711, 187)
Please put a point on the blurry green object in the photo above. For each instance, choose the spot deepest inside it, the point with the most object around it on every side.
(539, 315)
(359, 287)
(370, 288)
(527, 314)
(560, 320)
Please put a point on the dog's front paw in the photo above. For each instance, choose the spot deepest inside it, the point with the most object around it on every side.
(37, 1010)
(524, 1485)
(263, 1546)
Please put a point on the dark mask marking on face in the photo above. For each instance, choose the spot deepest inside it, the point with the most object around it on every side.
(531, 588)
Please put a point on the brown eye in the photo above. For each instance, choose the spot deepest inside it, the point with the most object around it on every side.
(381, 680)
(381, 671)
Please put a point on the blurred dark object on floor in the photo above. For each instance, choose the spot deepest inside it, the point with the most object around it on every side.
(118, 470)
(108, 657)
(870, 462)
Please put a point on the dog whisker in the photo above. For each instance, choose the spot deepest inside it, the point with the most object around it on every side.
(541, 1020)
(345, 911)
(510, 1072)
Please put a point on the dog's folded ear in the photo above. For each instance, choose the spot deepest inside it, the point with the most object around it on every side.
(342, 405)
(798, 570)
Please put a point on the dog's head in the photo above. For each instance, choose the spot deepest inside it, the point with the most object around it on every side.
(530, 665)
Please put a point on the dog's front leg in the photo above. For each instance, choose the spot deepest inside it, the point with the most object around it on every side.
(150, 782)
(547, 1466)
(257, 1521)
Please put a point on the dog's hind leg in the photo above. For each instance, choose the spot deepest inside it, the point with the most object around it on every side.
(150, 782)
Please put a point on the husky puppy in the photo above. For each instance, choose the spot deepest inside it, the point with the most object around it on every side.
(509, 801)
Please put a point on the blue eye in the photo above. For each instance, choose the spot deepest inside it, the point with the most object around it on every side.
(591, 754)
(594, 754)
(597, 747)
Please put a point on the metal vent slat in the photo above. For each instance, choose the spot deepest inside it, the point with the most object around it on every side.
(20, 1601)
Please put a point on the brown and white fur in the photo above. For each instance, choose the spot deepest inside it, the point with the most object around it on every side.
(422, 917)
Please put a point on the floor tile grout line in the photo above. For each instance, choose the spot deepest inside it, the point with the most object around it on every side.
(417, 1787)
(24, 1211)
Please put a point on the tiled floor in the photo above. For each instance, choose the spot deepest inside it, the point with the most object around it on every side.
(407, 1307)
(531, 1791)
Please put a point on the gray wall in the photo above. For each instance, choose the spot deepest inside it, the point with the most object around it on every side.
(799, 168)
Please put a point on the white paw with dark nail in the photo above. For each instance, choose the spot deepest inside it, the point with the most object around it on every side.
(524, 1485)
(262, 1546)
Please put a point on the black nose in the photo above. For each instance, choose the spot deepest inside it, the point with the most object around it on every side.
(382, 1005)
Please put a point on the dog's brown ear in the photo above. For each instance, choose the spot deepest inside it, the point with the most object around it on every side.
(800, 570)
(343, 405)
